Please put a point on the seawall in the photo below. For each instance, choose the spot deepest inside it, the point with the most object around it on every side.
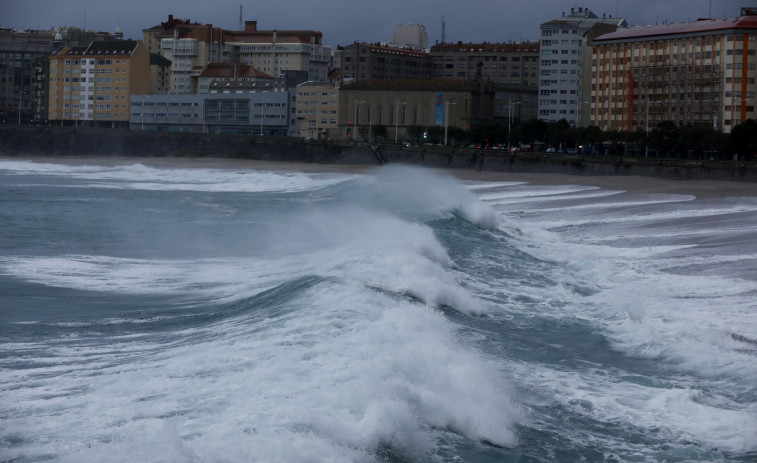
(70, 141)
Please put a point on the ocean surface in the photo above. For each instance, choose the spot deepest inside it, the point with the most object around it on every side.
(398, 315)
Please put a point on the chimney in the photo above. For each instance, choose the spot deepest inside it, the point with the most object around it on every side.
(572, 11)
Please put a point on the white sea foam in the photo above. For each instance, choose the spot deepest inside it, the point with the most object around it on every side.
(697, 328)
(347, 372)
(141, 177)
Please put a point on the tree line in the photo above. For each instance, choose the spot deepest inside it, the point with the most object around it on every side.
(666, 139)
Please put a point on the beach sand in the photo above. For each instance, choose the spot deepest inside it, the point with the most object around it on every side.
(630, 183)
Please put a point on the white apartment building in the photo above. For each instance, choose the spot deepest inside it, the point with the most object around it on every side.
(564, 51)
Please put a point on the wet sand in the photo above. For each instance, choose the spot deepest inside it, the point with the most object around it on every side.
(630, 183)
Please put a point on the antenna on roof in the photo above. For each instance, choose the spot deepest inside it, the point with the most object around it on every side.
(241, 23)
(444, 31)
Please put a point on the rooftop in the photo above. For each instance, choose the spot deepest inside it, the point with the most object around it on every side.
(692, 27)
(232, 70)
(518, 47)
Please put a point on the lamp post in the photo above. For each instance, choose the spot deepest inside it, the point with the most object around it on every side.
(356, 116)
(446, 117)
(646, 147)
(262, 116)
(20, 93)
(509, 120)
(396, 119)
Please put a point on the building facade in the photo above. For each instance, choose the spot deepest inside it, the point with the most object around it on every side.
(19, 53)
(192, 46)
(92, 85)
(700, 73)
(24, 68)
(401, 105)
(160, 74)
(239, 111)
(562, 67)
(317, 109)
(275, 52)
(501, 63)
(375, 61)
(411, 36)
(227, 72)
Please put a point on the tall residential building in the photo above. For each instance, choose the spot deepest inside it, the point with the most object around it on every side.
(19, 51)
(190, 47)
(563, 70)
(700, 73)
(501, 63)
(411, 36)
(92, 85)
(375, 61)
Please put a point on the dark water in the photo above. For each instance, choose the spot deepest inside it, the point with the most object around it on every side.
(240, 315)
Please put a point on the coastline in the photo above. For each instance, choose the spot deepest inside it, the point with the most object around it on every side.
(630, 183)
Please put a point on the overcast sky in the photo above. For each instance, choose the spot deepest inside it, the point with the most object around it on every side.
(343, 22)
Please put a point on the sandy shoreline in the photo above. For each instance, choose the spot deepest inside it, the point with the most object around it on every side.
(630, 183)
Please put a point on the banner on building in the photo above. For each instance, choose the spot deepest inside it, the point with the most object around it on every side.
(439, 109)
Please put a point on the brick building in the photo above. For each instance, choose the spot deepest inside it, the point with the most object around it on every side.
(700, 73)
(502, 63)
(375, 61)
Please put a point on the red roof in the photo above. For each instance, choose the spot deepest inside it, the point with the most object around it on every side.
(694, 27)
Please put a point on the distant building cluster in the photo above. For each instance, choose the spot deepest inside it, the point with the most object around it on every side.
(187, 76)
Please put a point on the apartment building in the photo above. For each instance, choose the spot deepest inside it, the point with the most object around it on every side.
(376, 61)
(564, 66)
(192, 46)
(275, 52)
(700, 73)
(501, 63)
(92, 85)
(317, 106)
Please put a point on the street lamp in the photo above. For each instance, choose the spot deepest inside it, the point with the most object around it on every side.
(20, 93)
(509, 119)
(356, 116)
(396, 118)
(263, 104)
(646, 148)
(446, 117)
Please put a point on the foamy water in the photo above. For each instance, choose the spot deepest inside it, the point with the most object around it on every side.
(234, 315)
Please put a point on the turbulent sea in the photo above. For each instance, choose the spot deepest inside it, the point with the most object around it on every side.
(398, 315)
